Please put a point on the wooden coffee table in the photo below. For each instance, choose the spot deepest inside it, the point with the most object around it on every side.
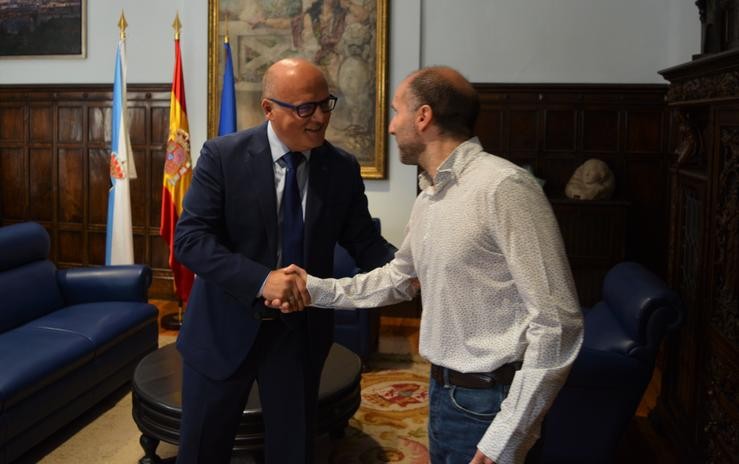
(157, 409)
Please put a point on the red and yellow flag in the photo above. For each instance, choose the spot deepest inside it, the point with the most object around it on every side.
(177, 171)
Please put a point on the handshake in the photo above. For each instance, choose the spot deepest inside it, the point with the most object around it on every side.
(285, 289)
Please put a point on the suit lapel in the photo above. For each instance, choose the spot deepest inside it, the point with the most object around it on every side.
(262, 176)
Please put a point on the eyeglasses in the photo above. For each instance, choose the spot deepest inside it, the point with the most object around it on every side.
(306, 110)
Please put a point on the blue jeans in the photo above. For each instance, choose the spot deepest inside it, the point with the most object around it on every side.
(458, 418)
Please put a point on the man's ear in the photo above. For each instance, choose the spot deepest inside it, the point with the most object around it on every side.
(267, 108)
(424, 115)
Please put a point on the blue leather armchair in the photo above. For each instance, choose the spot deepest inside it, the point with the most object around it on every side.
(68, 338)
(622, 337)
(358, 329)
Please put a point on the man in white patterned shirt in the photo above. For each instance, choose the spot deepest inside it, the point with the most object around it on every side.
(501, 322)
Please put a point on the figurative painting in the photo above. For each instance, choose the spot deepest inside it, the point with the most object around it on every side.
(346, 38)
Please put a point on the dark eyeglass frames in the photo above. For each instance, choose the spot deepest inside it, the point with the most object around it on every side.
(306, 110)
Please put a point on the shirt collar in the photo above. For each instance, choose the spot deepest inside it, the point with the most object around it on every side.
(452, 166)
(277, 147)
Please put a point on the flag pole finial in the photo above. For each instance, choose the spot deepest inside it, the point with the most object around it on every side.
(177, 25)
(225, 37)
(122, 25)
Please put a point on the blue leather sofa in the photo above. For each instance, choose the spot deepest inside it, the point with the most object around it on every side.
(68, 338)
(358, 329)
(623, 333)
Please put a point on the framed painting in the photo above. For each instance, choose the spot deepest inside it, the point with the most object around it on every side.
(42, 28)
(347, 39)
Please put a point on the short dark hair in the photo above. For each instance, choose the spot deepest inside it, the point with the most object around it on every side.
(453, 100)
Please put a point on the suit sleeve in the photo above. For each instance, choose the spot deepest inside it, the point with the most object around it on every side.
(201, 239)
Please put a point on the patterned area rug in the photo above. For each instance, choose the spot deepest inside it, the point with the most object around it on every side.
(390, 425)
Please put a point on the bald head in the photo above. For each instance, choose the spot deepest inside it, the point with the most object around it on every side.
(288, 84)
(292, 75)
(453, 100)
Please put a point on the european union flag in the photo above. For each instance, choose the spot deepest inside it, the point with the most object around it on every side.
(227, 122)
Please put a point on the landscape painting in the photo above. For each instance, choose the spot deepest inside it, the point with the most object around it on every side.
(42, 28)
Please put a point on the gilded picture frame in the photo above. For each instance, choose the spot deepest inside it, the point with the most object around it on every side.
(346, 38)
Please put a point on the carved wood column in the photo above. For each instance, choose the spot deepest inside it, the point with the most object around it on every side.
(699, 403)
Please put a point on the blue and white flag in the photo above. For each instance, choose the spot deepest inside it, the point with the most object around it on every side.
(119, 240)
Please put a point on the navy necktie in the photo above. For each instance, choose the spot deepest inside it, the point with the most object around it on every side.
(292, 225)
(292, 213)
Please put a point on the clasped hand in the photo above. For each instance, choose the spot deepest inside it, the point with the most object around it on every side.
(285, 289)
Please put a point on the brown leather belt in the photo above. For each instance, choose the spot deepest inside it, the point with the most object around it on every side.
(501, 376)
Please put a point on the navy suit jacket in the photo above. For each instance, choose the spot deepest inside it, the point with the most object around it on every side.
(227, 235)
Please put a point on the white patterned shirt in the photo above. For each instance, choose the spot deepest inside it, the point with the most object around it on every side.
(496, 287)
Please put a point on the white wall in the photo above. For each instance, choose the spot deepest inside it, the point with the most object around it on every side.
(595, 41)
(584, 41)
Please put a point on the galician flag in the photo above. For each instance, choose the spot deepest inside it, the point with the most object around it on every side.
(119, 239)
(177, 171)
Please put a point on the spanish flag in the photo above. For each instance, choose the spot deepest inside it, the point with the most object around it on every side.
(177, 171)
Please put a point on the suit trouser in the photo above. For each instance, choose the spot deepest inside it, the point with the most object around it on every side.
(280, 361)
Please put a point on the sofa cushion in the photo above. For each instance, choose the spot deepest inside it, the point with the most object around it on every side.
(28, 292)
(101, 323)
(23, 243)
(32, 358)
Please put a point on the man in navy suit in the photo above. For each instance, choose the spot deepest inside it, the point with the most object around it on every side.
(230, 235)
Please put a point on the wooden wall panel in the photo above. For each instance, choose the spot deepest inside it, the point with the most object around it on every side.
(54, 169)
(523, 129)
(11, 123)
(559, 132)
(644, 132)
(41, 123)
(13, 181)
(99, 125)
(41, 185)
(555, 128)
(70, 124)
(600, 130)
(98, 160)
(71, 188)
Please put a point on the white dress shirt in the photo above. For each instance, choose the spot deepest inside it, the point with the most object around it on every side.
(496, 287)
(278, 149)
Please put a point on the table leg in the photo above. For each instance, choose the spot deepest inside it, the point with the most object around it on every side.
(338, 431)
(149, 445)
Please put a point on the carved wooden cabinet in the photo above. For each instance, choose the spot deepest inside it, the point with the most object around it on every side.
(699, 403)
